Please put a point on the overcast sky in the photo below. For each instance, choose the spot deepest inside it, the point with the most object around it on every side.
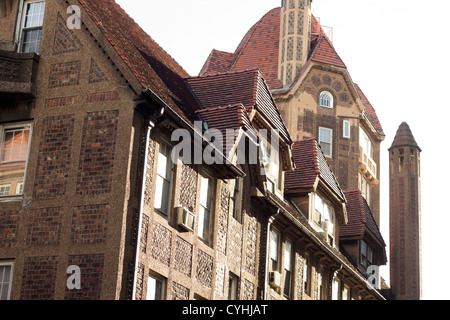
(396, 51)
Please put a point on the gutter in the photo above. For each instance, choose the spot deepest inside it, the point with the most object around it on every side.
(288, 215)
(147, 92)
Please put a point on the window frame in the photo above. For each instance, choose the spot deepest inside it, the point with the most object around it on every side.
(163, 289)
(11, 276)
(9, 126)
(170, 164)
(322, 141)
(203, 226)
(346, 129)
(21, 25)
(329, 101)
(288, 273)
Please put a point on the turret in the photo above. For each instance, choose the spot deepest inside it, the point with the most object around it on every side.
(295, 39)
(405, 216)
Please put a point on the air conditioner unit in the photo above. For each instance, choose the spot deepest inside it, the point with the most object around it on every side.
(326, 225)
(275, 279)
(185, 218)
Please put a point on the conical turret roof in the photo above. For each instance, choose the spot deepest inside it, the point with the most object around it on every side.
(404, 138)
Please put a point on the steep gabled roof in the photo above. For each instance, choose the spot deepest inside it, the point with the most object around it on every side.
(360, 219)
(310, 164)
(324, 52)
(370, 110)
(244, 87)
(218, 61)
(154, 68)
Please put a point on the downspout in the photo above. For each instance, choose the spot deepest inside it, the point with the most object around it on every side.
(149, 125)
(266, 271)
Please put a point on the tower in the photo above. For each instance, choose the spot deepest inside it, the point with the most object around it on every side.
(294, 38)
(405, 216)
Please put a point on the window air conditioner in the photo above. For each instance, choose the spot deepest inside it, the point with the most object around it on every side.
(185, 218)
(275, 279)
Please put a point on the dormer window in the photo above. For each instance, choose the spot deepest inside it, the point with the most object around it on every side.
(366, 258)
(271, 161)
(326, 100)
(31, 26)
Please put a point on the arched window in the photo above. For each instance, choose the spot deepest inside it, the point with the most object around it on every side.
(326, 100)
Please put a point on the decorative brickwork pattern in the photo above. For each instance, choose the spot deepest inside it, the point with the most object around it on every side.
(161, 244)
(234, 250)
(220, 279)
(44, 227)
(139, 282)
(53, 161)
(251, 245)
(90, 224)
(223, 220)
(9, 228)
(65, 74)
(248, 292)
(179, 292)
(95, 172)
(39, 278)
(299, 281)
(66, 40)
(183, 257)
(10, 71)
(103, 97)
(204, 270)
(96, 74)
(148, 192)
(189, 180)
(91, 270)
(144, 233)
(61, 102)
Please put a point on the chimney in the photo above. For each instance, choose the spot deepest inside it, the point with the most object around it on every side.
(295, 33)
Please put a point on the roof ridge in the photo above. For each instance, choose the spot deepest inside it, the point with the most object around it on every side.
(221, 73)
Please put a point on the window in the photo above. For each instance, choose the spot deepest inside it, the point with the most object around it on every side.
(335, 287)
(364, 186)
(326, 100)
(345, 293)
(324, 217)
(15, 142)
(155, 288)
(366, 255)
(287, 268)
(235, 200)
(326, 141)
(271, 161)
(31, 27)
(6, 272)
(320, 283)
(307, 276)
(232, 287)
(346, 129)
(365, 143)
(164, 176)
(205, 211)
(274, 249)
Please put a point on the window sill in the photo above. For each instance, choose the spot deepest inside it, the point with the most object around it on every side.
(11, 198)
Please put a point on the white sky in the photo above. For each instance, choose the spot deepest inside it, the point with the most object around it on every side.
(396, 51)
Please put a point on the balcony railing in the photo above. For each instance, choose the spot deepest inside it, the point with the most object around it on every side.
(367, 165)
(17, 75)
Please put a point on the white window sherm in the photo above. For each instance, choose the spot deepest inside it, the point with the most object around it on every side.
(326, 141)
(164, 176)
(205, 210)
(346, 129)
(6, 273)
(326, 100)
(14, 149)
(31, 26)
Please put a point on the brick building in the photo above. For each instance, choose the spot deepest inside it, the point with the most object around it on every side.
(93, 205)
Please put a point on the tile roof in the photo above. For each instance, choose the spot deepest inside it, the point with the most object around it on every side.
(150, 64)
(260, 48)
(370, 110)
(404, 138)
(324, 52)
(310, 164)
(360, 218)
(241, 87)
